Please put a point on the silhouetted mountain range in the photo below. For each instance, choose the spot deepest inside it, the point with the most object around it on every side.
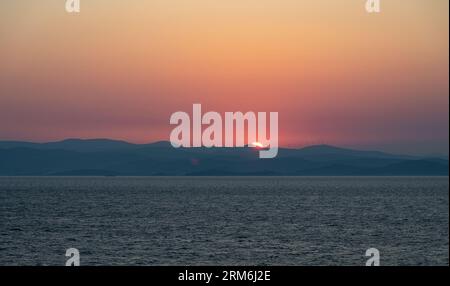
(104, 157)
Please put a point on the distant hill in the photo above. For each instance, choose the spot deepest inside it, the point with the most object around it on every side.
(82, 145)
(104, 157)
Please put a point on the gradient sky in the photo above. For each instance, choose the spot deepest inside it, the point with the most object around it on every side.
(336, 74)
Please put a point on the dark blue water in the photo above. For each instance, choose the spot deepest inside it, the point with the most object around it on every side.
(224, 221)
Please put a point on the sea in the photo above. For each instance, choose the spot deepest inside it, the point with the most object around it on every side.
(238, 221)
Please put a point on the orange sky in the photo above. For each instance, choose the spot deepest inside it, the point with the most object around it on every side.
(336, 74)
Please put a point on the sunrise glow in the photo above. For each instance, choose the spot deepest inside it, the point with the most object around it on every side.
(257, 145)
(119, 69)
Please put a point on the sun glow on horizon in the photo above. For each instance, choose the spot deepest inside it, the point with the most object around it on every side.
(257, 145)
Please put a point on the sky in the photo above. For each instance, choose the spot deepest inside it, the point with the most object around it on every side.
(335, 74)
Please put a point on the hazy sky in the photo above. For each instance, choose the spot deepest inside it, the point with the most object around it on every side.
(336, 74)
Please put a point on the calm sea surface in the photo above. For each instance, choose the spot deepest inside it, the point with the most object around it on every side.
(224, 221)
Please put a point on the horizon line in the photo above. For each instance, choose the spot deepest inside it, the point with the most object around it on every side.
(167, 141)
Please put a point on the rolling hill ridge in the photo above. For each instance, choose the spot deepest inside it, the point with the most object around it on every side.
(104, 157)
